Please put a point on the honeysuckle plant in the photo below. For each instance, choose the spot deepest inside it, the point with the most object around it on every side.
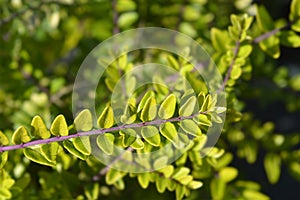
(158, 136)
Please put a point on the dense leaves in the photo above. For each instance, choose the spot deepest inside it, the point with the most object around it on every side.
(171, 122)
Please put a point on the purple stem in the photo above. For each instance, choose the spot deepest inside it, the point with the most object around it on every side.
(96, 132)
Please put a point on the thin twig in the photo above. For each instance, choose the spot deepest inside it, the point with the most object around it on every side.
(115, 17)
(227, 76)
(97, 132)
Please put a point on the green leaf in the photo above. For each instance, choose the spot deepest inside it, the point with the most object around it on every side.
(141, 105)
(3, 159)
(190, 127)
(49, 151)
(167, 107)
(264, 20)
(138, 144)
(251, 194)
(5, 193)
(106, 143)
(129, 136)
(106, 119)
(203, 119)
(227, 174)
(270, 45)
(217, 188)
(180, 172)
(82, 144)
(149, 110)
(39, 129)
(20, 136)
(127, 19)
(169, 131)
(159, 85)
(129, 115)
(167, 171)
(188, 108)
(70, 147)
(59, 126)
(244, 51)
(179, 191)
(161, 184)
(160, 162)
(290, 39)
(195, 185)
(272, 164)
(122, 61)
(84, 121)
(218, 37)
(151, 135)
(144, 179)
(236, 72)
(201, 98)
(113, 176)
(37, 157)
(173, 62)
(3, 139)
(295, 15)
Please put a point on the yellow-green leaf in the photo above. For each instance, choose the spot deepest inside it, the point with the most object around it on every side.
(271, 46)
(295, 15)
(272, 164)
(20, 136)
(151, 135)
(37, 157)
(236, 72)
(149, 110)
(264, 20)
(128, 136)
(190, 127)
(49, 151)
(83, 145)
(161, 184)
(169, 131)
(188, 108)
(227, 174)
(195, 185)
(167, 107)
(113, 176)
(84, 121)
(70, 147)
(59, 126)
(106, 119)
(144, 179)
(173, 62)
(160, 162)
(39, 129)
(147, 95)
(180, 172)
(106, 143)
(138, 144)
(3, 139)
(3, 158)
(167, 171)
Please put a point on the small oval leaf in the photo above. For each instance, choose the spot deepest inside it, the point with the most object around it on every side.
(106, 119)
(84, 121)
(106, 143)
(37, 157)
(167, 107)
(39, 129)
(20, 136)
(59, 126)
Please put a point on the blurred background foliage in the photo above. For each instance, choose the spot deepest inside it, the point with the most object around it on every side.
(43, 43)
